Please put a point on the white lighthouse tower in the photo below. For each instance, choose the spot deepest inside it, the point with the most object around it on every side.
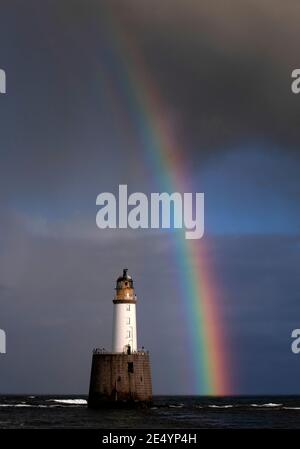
(124, 316)
(122, 376)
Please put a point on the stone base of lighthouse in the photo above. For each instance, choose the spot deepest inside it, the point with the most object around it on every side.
(120, 379)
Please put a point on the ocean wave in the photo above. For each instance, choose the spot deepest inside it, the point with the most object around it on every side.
(68, 404)
(176, 406)
(28, 405)
(70, 401)
(291, 408)
(269, 404)
(221, 406)
(15, 405)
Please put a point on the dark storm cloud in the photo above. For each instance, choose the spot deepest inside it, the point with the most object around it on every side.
(223, 67)
(223, 71)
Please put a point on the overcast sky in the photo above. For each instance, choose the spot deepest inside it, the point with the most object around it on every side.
(223, 72)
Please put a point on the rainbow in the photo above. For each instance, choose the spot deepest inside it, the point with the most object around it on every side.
(126, 73)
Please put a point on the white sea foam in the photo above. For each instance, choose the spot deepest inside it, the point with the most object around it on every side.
(176, 406)
(269, 404)
(291, 408)
(59, 403)
(221, 406)
(15, 405)
(70, 401)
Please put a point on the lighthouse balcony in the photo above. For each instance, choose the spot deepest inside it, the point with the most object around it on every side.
(104, 351)
(125, 296)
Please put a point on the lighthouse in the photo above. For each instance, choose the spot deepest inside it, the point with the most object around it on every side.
(124, 315)
(122, 376)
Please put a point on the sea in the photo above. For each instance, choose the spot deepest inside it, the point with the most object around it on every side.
(167, 412)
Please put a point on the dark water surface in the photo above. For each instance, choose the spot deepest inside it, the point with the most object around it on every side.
(277, 412)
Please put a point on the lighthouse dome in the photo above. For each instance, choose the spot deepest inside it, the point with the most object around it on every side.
(124, 281)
